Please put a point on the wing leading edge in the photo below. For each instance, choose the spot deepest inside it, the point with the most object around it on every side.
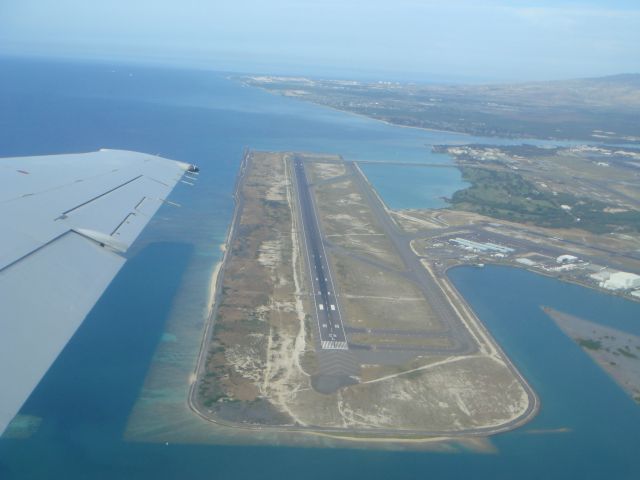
(66, 219)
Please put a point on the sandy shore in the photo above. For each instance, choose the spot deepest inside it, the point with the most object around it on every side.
(213, 284)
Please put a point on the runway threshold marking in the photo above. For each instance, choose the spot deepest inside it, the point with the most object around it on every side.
(325, 344)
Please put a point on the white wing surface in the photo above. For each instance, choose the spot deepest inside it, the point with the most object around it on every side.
(65, 220)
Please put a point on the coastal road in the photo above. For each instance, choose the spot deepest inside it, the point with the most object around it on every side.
(327, 310)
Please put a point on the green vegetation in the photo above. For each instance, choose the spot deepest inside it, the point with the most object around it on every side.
(521, 110)
(589, 344)
(508, 196)
(627, 353)
(211, 392)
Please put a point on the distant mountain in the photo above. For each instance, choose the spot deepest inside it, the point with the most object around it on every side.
(615, 91)
(632, 79)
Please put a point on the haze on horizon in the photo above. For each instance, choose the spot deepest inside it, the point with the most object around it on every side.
(461, 40)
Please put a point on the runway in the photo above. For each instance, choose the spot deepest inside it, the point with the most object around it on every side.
(327, 309)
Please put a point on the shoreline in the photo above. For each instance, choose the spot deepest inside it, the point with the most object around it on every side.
(535, 404)
(456, 299)
(214, 292)
(362, 115)
(593, 287)
(580, 329)
(525, 137)
(363, 436)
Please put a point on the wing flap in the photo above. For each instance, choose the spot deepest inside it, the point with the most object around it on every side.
(43, 299)
(93, 191)
(65, 219)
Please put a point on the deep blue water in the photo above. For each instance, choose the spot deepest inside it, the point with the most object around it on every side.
(85, 399)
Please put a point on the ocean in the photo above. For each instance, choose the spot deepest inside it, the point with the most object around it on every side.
(118, 388)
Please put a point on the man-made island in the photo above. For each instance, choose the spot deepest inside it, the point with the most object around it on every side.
(568, 211)
(328, 320)
(334, 313)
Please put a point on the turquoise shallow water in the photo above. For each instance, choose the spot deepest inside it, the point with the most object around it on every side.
(414, 187)
(87, 396)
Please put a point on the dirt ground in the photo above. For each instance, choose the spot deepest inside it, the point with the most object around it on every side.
(263, 353)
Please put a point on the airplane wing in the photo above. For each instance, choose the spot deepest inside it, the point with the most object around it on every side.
(66, 220)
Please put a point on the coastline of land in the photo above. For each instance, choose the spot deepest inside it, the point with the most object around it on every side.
(585, 196)
(568, 212)
(247, 386)
(264, 363)
(597, 109)
(615, 351)
(262, 373)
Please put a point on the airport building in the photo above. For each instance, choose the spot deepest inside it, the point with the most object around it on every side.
(622, 281)
(526, 261)
(564, 259)
(616, 280)
(479, 247)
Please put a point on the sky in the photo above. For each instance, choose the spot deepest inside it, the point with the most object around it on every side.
(438, 40)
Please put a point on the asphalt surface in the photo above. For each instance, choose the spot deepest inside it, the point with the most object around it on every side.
(415, 271)
(327, 310)
(339, 367)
